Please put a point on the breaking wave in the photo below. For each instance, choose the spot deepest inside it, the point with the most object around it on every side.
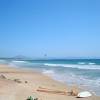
(72, 78)
(90, 66)
(48, 71)
(17, 63)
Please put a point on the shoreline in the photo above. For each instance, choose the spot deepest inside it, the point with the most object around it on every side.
(19, 84)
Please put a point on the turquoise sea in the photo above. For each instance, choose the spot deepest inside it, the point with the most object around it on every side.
(84, 72)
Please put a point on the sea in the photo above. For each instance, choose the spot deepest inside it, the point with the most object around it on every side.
(83, 72)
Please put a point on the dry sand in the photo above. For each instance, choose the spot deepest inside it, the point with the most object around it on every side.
(18, 84)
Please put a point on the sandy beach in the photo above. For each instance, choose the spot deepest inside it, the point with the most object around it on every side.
(19, 84)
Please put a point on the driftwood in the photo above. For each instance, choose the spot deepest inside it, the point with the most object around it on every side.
(52, 91)
(72, 93)
(2, 77)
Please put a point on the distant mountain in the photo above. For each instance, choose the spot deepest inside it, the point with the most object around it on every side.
(20, 57)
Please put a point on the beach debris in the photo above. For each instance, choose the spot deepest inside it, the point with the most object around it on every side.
(17, 80)
(32, 98)
(51, 91)
(84, 94)
(26, 82)
(74, 92)
(2, 77)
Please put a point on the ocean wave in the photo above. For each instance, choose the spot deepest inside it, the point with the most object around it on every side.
(48, 64)
(48, 71)
(17, 63)
(81, 63)
(3, 61)
(73, 78)
(92, 63)
(84, 63)
(90, 66)
(24, 63)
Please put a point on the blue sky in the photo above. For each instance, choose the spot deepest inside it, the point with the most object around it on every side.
(59, 28)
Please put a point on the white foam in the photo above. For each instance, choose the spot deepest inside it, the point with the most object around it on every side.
(91, 63)
(81, 63)
(48, 64)
(72, 78)
(16, 61)
(48, 71)
(90, 66)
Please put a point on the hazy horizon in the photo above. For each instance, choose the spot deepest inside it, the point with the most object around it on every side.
(22, 57)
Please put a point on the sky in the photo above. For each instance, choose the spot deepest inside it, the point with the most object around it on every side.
(58, 28)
